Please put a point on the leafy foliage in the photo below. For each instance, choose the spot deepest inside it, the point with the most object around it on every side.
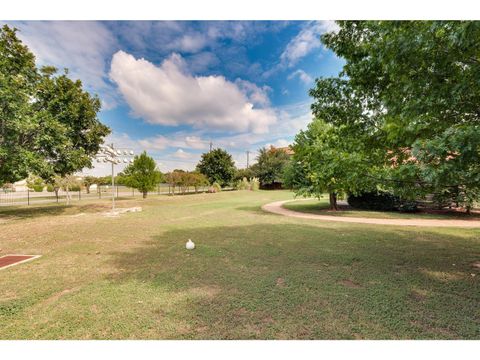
(328, 160)
(402, 116)
(419, 89)
(218, 166)
(35, 183)
(270, 165)
(48, 123)
(142, 174)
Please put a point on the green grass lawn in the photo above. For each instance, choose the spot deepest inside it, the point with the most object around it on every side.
(322, 207)
(252, 275)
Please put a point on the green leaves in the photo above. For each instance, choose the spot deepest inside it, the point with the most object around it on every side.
(142, 174)
(405, 108)
(48, 123)
(270, 165)
(218, 166)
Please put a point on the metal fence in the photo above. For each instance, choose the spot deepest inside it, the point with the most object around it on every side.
(30, 197)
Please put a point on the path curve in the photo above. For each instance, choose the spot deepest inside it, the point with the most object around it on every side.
(277, 208)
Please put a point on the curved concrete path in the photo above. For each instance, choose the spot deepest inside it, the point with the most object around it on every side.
(277, 208)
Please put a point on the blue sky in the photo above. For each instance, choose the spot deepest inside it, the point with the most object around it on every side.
(172, 87)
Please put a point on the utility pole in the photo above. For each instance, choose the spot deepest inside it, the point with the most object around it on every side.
(248, 158)
(211, 145)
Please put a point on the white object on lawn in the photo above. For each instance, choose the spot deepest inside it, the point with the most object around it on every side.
(190, 245)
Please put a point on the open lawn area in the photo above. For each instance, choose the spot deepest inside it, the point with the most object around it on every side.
(253, 274)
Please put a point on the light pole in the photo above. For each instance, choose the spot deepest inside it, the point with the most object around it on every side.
(108, 153)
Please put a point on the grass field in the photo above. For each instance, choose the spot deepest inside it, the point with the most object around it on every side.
(252, 275)
(322, 207)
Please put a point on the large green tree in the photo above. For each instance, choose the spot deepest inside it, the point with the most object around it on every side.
(411, 89)
(270, 165)
(142, 174)
(325, 160)
(48, 122)
(218, 166)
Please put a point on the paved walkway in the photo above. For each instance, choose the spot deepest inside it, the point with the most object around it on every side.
(276, 208)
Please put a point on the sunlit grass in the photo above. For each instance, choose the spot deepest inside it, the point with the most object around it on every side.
(252, 275)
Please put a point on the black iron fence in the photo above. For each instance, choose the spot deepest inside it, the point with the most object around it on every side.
(30, 197)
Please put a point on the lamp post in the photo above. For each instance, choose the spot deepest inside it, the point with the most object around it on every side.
(108, 153)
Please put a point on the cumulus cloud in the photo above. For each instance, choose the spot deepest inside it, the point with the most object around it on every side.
(180, 154)
(161, 142)
(169, 95)
(306, 41)
(302, 75)
(80, 46)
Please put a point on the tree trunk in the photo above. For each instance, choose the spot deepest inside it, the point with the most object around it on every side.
(144, 194)
(333, 201)
(88, 189)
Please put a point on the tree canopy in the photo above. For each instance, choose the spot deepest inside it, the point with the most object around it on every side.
(406, 103)
(270, 165)
(218, 166)
(48, 123)
(142, 174)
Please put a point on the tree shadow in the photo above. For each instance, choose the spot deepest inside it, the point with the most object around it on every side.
(13, 213)
(286, 281)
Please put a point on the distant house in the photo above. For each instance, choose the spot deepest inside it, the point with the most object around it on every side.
(287, 149)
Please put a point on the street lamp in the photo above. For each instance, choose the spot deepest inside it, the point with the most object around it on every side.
(108, 153)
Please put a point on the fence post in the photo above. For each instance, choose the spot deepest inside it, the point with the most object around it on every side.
(158, 189)
(99, 192)
(28, 196)
(79, 195)
(56, 195)
(133, 191)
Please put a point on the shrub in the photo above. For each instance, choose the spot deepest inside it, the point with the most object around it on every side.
(254, 184)
(381, 201)
(242, 184)
(408, 206)
(215, 188)
(37, 187)
(75, 187)
(50, 188)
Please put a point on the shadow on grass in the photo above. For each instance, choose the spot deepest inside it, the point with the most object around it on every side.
(257, 209)
(293, 282)
(24, 212)
(35, 211)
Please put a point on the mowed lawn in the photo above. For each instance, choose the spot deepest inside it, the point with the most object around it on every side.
(253, 275)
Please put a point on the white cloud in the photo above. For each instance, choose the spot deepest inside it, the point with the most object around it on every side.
(169, 95)
(279, 143)
(302, 75)
(202, 61)
(190, 42)
(161, 142)
(180, 154)
(80, 46)
(257, 95)
(305, 41)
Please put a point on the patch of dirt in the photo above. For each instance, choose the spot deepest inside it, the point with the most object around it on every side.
(350, 284)
(205, 291)
(476, 264)
(280, 282)
(57, 296)
(418, 295)
(443, 276)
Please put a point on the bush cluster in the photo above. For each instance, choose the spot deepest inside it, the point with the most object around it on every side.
(381, 201)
